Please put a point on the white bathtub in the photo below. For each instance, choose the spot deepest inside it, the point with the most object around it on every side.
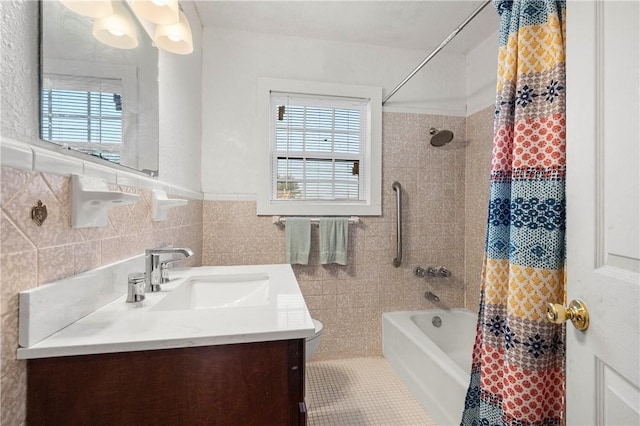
(434, 362)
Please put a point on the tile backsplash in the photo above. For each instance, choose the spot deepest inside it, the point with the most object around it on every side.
(33, 255)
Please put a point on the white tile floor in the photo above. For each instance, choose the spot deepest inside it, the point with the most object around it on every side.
(360, 391)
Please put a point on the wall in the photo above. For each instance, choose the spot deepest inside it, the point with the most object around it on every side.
(481, 75)
(179, 88)
(481, 80)
(233, 60)
(30, 256)
(476, 200)
(350, 299)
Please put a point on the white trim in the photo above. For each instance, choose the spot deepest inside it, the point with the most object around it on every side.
(209, 196)
(21, 155)
(15, 154)
(373, 156)
(50, 162)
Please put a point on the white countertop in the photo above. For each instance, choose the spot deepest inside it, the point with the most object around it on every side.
(122, 327)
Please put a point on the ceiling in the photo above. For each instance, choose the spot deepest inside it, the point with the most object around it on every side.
(401, 24)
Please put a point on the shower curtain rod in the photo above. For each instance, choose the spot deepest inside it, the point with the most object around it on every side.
(435, 52)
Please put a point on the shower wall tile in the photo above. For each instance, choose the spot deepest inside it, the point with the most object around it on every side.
(350, 299)
(32, 255)
(477, 173)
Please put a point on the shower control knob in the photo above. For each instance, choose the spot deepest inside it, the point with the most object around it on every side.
(419, 272)
(444, 272)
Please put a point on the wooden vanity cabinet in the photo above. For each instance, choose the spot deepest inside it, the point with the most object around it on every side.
(241, 384)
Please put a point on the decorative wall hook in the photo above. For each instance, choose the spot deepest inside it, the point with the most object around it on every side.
(39, 213)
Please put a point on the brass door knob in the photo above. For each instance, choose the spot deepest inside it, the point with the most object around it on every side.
(576, 312)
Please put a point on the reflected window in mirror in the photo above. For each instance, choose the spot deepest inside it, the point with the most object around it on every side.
(97, 99)
(83, 113)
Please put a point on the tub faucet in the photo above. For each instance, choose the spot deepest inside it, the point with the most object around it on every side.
(432, 297)
(154, 275)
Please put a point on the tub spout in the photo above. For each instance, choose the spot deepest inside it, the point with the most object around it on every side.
(432, 297)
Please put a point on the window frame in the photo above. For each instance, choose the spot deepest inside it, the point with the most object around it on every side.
(371, 203)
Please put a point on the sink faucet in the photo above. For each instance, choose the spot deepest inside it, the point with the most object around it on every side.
(153, 267)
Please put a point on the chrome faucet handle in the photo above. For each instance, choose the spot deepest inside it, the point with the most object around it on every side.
(431, 271)
(135, 287)
(164, 269)
(419, 272)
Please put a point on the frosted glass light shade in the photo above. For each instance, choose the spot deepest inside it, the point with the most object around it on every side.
(175, 38)
(117, 29)
(161, 12)
(91, 8)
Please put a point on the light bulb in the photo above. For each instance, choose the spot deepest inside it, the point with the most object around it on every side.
(175, 38)
(116, 31)
(160, 12)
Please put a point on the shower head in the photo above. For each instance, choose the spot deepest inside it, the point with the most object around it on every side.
(440, 137)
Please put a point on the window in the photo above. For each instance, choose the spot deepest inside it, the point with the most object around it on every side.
(84, 113)
(323, 147)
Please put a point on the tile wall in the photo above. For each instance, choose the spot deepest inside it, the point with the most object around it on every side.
(350, 299)
(32, 255)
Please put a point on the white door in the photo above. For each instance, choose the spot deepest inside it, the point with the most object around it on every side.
(603, 254)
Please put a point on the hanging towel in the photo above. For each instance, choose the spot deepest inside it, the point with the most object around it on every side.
(334, 238)
(298, 240)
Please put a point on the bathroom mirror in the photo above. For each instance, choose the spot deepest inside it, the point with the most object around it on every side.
(96, 99)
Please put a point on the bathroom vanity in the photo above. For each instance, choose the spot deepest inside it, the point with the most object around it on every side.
(218, 346)
(258, 383)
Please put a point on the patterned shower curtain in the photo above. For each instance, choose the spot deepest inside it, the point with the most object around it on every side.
(517, 375)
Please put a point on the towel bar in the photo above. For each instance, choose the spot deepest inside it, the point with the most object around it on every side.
(279, 220)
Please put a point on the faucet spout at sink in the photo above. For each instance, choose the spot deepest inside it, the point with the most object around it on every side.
(153, 266)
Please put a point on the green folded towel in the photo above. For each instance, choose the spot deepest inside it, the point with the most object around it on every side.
(334, 239)
(298, 240)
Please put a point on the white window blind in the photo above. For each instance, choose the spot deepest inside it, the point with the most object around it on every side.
(318, 147)
(84, 113)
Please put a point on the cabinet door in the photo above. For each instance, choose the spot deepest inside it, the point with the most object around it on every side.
(249, 384)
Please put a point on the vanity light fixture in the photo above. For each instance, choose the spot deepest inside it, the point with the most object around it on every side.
(113, 25)
(93, 9)
(117, 29)
(175, 38)
(160, 12)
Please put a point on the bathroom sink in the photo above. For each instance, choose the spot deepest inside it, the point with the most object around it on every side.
(217, 291)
